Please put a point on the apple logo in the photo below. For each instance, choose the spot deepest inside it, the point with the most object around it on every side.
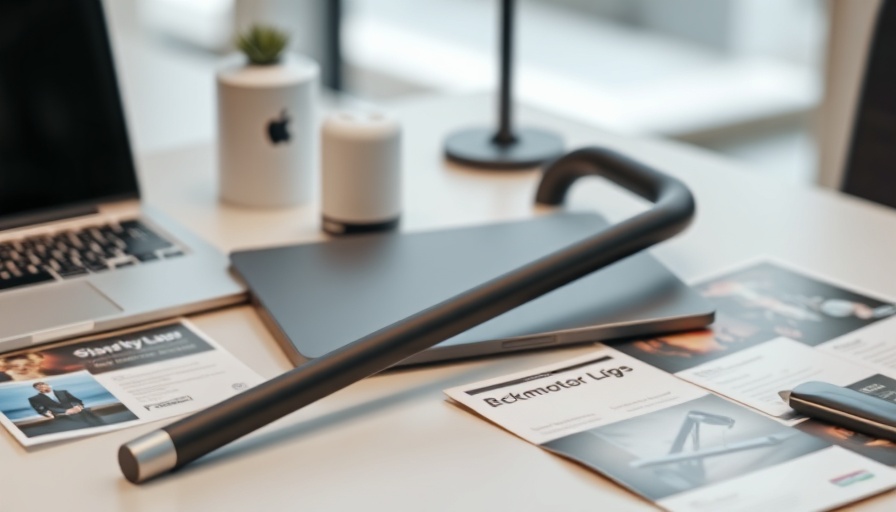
(277, 128)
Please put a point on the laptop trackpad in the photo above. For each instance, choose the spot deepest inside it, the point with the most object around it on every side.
(47, 308)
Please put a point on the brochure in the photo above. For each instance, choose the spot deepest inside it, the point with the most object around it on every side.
(776, 328)
(115, 381)
(670, 441)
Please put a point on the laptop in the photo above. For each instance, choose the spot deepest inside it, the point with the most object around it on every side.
(79, 252)
(318, 297)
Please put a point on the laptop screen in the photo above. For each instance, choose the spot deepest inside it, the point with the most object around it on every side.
(63, 141)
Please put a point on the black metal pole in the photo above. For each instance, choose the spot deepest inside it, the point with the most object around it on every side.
(505, 133)
(333, 62)
(509, 147)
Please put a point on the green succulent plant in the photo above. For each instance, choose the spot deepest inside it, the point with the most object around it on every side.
(262, 44)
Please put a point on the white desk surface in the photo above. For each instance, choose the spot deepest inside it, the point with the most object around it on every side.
(391, 442)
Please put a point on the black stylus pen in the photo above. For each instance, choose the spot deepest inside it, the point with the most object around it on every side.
(185, 440)
(844, 407)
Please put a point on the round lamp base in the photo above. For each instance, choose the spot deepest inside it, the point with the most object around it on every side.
(475, 147)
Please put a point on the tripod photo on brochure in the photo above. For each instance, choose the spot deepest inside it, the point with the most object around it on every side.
(670, 441)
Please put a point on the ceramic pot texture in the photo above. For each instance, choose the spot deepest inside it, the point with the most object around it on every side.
(267, 140)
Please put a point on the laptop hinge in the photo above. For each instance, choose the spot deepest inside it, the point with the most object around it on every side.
(47, 216)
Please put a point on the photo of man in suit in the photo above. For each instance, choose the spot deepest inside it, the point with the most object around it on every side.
(60, 404)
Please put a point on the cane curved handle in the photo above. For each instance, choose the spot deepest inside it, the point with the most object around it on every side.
(672, 212)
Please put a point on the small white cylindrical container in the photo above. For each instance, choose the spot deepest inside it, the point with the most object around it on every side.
(267, 137)
(360, 172)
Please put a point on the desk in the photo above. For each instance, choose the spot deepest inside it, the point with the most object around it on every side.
(391, 441)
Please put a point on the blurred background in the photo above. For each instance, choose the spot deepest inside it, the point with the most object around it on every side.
(744, 78)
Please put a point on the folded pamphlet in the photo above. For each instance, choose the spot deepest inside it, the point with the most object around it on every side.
(670, 441)
(110, 382)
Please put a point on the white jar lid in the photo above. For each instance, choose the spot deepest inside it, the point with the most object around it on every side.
(360, 125)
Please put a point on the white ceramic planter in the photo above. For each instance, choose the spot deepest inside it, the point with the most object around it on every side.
(267, 141)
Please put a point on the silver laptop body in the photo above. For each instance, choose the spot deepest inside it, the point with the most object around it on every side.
(68, 186)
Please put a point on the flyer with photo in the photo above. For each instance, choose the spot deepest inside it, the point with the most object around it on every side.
(776, 328)
(105, 383)
(670, 441)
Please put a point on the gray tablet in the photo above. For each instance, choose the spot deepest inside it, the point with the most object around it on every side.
(317, 297)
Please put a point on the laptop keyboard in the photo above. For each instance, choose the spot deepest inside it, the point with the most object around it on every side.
(68, 254)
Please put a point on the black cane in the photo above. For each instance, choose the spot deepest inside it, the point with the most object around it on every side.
(185, 440)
